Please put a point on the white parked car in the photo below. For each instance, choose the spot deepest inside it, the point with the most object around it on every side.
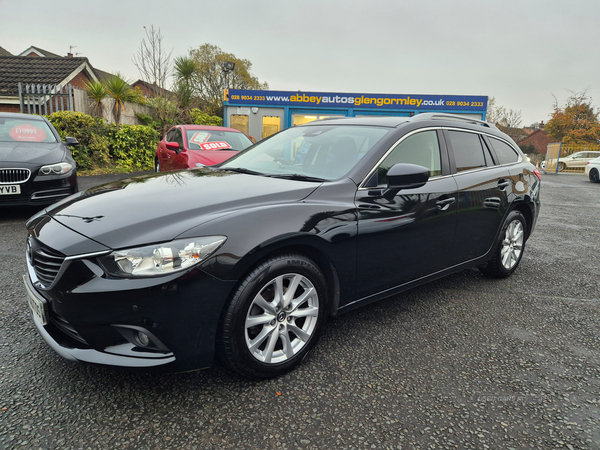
(592, 170)
(577, 160)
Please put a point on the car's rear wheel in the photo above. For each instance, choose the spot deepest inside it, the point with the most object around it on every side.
(156, 165)
(594, 176)
(274, 318)
(509, 249)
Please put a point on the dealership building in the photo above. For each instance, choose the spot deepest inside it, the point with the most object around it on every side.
(263, 113)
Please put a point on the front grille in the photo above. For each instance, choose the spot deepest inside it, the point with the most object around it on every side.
(46, 263)
(11, 176)
(64, 326)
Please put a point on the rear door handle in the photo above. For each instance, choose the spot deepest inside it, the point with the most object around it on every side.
(444, 204)
(502, 184)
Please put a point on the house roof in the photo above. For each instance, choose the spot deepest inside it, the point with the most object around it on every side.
(40, 52)
(4, 52)
(517, 134)
(153, 88)
(48, 70)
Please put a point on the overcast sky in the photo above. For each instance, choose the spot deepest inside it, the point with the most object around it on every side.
(522, 52)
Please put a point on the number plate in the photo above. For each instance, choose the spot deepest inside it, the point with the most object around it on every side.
(36, 304)
(10, 189)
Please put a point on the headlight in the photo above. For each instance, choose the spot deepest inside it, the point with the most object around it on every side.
(56, 169)
(160, 259)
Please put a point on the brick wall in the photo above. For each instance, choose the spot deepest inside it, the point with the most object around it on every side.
(80, 80)
(539, 139)
(10, 108)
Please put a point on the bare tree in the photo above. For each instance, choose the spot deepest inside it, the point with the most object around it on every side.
(153, 61)
(502, 116)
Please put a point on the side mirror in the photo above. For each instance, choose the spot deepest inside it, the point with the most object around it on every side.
(173, 146)
(71, 141)
(407, 176)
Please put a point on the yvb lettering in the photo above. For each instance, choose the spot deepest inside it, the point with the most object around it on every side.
(9, 190)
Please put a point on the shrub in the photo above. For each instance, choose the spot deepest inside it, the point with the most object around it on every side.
(102, 145)
(134, 146)
(201, 118)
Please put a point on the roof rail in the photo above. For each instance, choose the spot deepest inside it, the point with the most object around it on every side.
(456, 117)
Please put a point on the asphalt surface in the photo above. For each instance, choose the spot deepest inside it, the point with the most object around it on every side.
(465, 362)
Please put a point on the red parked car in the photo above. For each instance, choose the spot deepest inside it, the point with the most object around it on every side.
(191, 146)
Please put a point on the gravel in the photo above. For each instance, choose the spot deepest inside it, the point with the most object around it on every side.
(465, 362)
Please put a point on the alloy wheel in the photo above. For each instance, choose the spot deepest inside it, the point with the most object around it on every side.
(282, 318)
(512, 244)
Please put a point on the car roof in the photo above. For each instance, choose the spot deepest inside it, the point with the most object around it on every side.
(441, 119)
(7, 115)
(420, 120)
(208, 127)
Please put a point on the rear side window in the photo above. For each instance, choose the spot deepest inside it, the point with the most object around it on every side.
(468, 151)
(505, 153)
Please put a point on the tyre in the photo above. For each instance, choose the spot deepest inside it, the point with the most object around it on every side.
(561, 166)
(274, 318)
(594, 176)
(156, 165)
(509, 248)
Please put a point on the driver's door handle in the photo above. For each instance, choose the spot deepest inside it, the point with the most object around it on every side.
(444, 204)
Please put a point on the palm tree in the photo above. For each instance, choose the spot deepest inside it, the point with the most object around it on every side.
(185, 68)
(120, 92)
(96, 91)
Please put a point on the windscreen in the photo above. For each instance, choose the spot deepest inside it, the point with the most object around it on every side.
(25, 129)
(325, 151)
(217, 140)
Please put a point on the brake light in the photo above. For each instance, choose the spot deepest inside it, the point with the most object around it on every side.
(537, 173)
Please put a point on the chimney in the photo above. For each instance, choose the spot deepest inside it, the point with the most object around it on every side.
(69, 55)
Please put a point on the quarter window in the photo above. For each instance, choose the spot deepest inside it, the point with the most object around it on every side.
(505, 153)
(468, 151)
(422, 149)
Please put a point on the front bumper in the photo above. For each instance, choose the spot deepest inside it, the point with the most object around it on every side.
(43, 191)
(93, 319)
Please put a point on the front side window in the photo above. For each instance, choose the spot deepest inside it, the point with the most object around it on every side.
(171, 135)
(422, 149)
(25, 129)
(468, 150)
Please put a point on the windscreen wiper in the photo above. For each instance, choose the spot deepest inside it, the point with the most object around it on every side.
(298, 177)
(240, 170)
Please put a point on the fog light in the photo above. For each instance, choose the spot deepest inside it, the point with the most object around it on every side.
(143, 339)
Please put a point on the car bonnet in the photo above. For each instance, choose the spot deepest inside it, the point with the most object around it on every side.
(158, 208)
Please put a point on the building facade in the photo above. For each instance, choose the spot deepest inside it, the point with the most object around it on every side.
(263, 113)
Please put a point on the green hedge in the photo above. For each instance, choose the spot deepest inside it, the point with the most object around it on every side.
(104, 146)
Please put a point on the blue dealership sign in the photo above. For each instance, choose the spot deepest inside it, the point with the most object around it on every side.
(345, 100)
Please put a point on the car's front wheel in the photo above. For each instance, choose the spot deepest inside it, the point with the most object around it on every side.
(274, 318)
(594, 176)
(561, 166)
(509, 249)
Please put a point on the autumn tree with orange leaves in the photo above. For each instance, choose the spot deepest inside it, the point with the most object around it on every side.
(576, 123)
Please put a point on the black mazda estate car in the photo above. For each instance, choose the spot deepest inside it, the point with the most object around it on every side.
(244, 261)
(36, 166)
